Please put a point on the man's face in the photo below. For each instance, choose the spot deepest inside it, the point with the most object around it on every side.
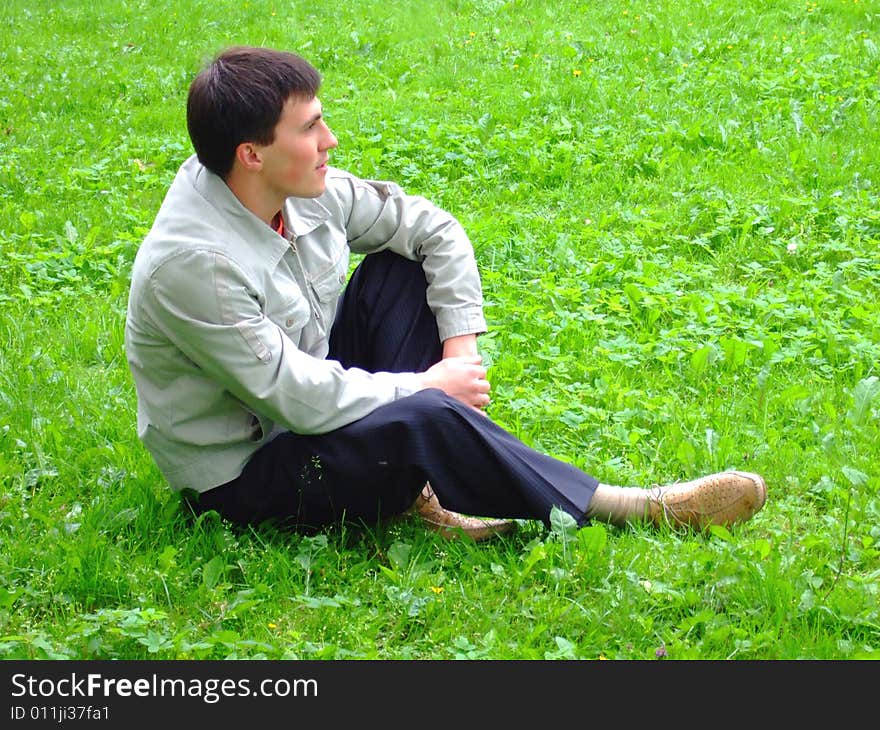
(296, 161)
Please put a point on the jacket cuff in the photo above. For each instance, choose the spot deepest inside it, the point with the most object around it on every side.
(465, 321)
(407, 384)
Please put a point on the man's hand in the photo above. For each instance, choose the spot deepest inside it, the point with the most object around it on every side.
(464, 378)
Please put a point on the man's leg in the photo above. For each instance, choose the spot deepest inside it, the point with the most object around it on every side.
(374, 468)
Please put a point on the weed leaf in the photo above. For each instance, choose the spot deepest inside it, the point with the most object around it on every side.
(864, 393)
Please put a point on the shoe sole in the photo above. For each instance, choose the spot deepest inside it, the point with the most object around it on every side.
(487, 530)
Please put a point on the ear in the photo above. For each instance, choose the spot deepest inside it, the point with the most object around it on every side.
(248, 156)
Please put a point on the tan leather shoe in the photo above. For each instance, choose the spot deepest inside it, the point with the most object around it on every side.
(718, 499)
(452, 524)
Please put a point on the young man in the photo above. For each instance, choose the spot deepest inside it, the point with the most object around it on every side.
(268, 395)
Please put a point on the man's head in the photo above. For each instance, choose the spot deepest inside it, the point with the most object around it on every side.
(240, 97)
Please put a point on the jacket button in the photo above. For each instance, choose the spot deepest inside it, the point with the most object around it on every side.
(341, 278)
(289, 323)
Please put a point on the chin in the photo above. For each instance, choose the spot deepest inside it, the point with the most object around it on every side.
(313, 192)
(308, 193)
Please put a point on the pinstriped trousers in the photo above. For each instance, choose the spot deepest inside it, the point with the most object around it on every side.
(375, 467)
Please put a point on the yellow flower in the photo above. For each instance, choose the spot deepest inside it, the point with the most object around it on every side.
(577, 72)
(272, 626)
(437, 589)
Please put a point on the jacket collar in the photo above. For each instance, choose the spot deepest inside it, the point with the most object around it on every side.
(304, 215)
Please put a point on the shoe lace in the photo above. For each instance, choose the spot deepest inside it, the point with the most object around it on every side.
(656, 494)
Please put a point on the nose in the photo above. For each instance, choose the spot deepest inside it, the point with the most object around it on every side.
(330, 140)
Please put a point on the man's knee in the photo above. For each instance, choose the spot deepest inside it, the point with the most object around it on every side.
(431, 399)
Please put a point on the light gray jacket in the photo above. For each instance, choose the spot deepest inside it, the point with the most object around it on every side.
(228, 322)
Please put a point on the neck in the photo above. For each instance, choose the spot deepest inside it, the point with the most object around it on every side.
(253, 196)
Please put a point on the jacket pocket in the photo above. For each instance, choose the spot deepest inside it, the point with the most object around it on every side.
(328, 286)
(289, 312)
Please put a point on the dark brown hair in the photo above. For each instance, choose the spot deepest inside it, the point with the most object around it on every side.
(239, 97)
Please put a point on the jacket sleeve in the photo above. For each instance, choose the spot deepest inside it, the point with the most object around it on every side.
(380, 215)
(205, 304)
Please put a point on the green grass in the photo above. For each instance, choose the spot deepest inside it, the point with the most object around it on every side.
(675, 208)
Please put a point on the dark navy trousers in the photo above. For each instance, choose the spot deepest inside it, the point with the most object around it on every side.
(375, 467)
